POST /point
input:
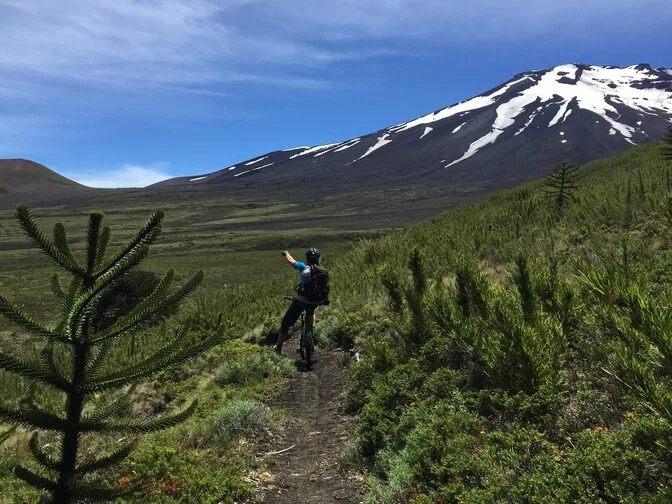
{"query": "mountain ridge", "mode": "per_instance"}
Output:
(507, 135)
(604, 110)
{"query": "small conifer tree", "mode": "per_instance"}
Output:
(75, 359)
(522, 278)
(412, 294)
(560, 185)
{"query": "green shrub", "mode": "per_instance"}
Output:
(378, 357)
(453, 456)
(235, 419)
(349, 329)
(392, 393)
(253, 367)
(165, 474)
(13, 489)
(596, 466)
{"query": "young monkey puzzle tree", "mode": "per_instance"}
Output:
(560, 185)
(75, 360)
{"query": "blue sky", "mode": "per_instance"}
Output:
(125, 93)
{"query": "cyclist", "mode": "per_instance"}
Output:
(301, 301)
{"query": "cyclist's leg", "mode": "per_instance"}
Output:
(291, 316)
(310, 319)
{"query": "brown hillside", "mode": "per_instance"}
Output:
(23, 176)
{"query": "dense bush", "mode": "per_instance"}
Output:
(530, 355)
(166, 473)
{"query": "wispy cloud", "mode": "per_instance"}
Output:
(130, 175)
(124, 43)
(194, 42)
(447, 19)
(71, 59)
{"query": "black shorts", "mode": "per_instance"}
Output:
(294, 312)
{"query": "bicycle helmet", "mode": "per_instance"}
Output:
(312, 255)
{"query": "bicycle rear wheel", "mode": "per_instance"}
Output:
(308, 349)
(302, 341)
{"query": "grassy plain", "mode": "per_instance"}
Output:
(234, 238)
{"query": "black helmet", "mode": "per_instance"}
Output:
(313, 255)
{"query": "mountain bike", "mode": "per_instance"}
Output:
(307, 341)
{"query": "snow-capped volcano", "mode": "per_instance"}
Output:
(508, 135)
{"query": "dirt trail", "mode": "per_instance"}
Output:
(310, 472)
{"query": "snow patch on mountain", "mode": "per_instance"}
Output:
(312, 150)
(427, 131)
(326, 151)
(256, 161)
(198, 178)
(506, 116)
(473, 104)
(529, 121)
(349, 144)
(562, 114)
(254, 169)
(382, 141)
(459, 127)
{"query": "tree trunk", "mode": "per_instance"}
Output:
(63, 493)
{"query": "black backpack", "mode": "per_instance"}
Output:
(317, 290)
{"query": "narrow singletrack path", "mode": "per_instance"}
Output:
(309, 471)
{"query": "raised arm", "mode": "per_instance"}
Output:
(289, 257)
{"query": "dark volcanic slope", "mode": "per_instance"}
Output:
(508, 135)
(23, 177)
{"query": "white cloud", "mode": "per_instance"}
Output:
(129, 175)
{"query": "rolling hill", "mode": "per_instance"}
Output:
(26, 177)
